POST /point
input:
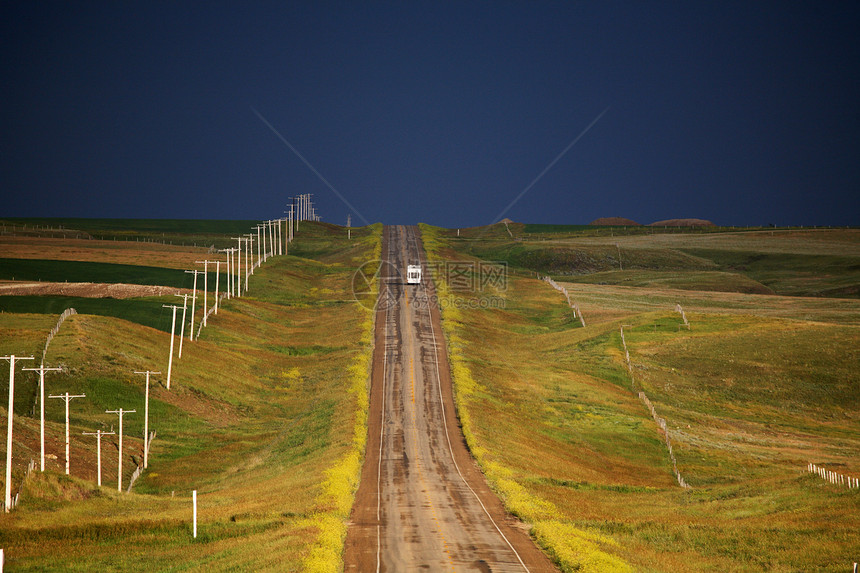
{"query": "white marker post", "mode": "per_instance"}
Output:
(172, 335)
(193, 302)
(98, 434)
(68, 398)
(11, 358)
(41, 370)
(146, 418)
(119, 470)
(194, 505)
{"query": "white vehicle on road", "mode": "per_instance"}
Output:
(413, 274)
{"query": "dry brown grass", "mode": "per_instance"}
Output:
(117, 252)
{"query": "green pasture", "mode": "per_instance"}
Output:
(95, 272)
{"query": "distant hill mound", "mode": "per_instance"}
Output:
(604, 221)
(682, 223)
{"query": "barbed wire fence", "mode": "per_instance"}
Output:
(680, 310)
(31, 467)
(834, 477)
(139, 469)
(661, 422)
(570, 303)
(66, 314)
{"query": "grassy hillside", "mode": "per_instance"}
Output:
(146, 311)
(792, 262)
(265, 418)
(760, 386)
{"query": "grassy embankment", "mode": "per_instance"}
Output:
(266, 418)
(750, 398)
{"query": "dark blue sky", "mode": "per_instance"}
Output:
(737, 112)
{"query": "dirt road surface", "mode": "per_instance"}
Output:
(422, 503)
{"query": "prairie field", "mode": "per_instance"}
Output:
(264, 418)
(799, 262)
(757, 387)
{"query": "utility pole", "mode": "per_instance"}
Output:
(68, 398)
(272, 236)
(182, 328)
(259, 246)
(249, 258)
(217, 282)
(229, 275)
(348, 227)
(193, 301)
(119, 470)
(205, 288)
(281, 222)
(226, 272)
(98, 434)
(264, 231)
(41, 370)
(238, 291)
(11, 358)
(264, 250)
(234, 264)
(172, 331)
(146, 419)
(290, 223)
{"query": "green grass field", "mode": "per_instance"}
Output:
(757, 388)
(146, 311)
(265, 418)
(94, 272)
